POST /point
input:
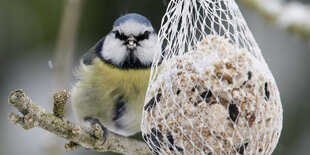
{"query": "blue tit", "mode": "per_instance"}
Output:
(114, 74)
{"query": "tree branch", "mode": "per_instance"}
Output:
(290, 15)
(35, 116)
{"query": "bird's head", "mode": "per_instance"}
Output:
(131, 43)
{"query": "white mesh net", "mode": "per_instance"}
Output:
(212, 93)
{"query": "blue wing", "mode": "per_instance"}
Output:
(94, 52)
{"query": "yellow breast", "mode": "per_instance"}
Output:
(132, 83)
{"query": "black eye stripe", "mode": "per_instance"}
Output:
(120, 36)
(143, 36)
(140, 37)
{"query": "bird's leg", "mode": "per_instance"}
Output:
(95, 124)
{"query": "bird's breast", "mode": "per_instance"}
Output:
(130, 82)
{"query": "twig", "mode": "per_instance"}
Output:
(63, 57)
(35, 116)
(60, 99)
(71, 146)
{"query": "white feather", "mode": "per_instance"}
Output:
(132, 27)
(145, 53)
(113, 49)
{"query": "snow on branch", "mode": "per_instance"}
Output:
(36, 116)
(293, 16)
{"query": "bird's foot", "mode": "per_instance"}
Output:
(98, 129)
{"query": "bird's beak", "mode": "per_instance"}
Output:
(131, 41)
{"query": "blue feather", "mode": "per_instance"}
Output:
(132, 16)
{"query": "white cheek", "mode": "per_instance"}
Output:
(147, 50)
(114, 50)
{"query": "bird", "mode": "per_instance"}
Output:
(113, 77)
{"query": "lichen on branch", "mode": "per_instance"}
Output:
(36, 116)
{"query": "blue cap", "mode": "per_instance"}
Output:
(132, 16)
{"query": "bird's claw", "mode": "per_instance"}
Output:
(98, 129)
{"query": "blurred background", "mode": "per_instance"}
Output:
(35, 45)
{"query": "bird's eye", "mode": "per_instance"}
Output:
(143, 36)
(120, 36)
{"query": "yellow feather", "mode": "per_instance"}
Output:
(101, 85)
(127, 80)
